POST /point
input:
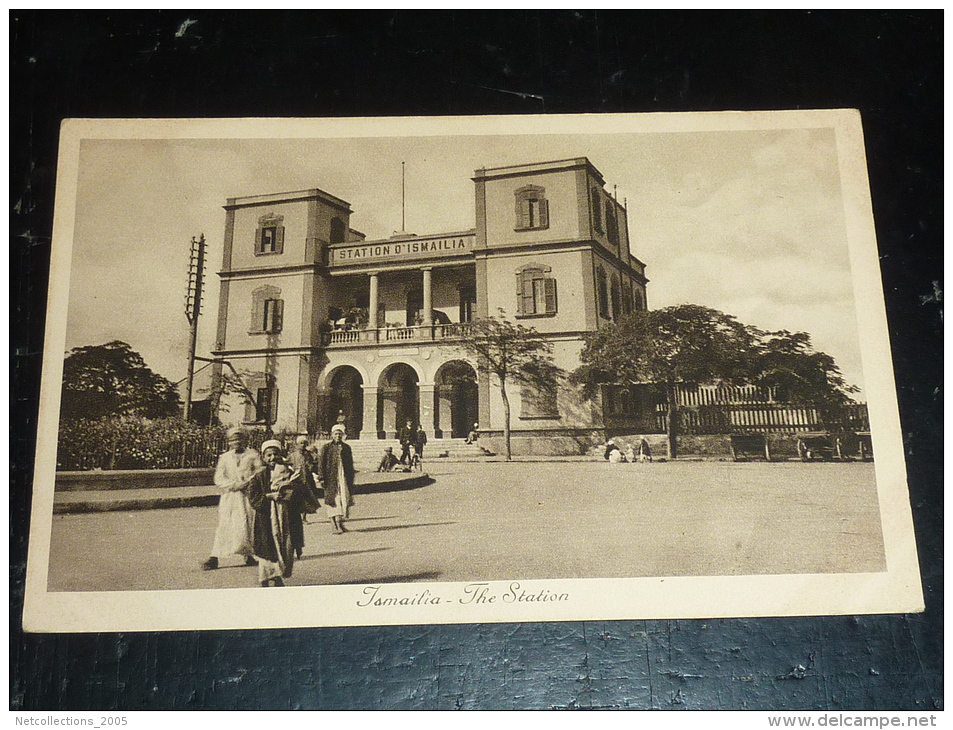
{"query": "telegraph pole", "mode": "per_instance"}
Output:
(193, 308)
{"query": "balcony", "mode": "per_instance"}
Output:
(396, 335)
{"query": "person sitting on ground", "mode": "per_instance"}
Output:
(645, 453)
(388, 460)
(611, 448)
(473, 435)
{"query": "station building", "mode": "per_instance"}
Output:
(324, 325)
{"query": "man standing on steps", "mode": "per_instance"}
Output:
(235, 471)
(420, 440)
(336, 473)
(407, 436)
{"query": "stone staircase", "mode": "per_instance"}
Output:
(368, 452)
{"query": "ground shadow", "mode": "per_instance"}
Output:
(403, 527)
(409, 578)
(338, 553)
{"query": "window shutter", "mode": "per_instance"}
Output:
(258, 235)
(279, 239)
(543, 213)
(278, 315)
(550, 295)
(273, 405)
(257, 313)
(527, 305)
(522, 212)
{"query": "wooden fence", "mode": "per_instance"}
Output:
(764, 418)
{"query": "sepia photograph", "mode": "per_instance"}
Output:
(459, 370)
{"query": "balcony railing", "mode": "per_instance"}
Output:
(342, 338)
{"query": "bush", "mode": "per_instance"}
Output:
(134, 442)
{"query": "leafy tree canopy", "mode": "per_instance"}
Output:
(690, 344)
(113, 379)
(787, 362)
(513, 354)
(683, 344)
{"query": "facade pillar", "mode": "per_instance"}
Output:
(427, 410)
(444, 414)
(372, 303)
(369, 426)
(428, 299)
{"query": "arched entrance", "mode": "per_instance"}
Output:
(457, 399)
(347, 399)
(398, 399)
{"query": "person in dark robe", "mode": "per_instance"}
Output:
(335, 472)
(305, 500)
(271, 493)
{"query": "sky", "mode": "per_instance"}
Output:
(747, 222)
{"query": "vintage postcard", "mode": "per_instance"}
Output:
(327, 372)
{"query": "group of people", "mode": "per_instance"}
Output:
(639, 453)
(412, 442)
(265, 500)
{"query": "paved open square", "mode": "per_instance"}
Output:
(528, 520)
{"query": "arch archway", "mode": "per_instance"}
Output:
(346, 399)
(398, 399)
(456, 393)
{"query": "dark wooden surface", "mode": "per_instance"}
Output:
(135, 64)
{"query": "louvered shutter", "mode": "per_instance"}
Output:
(543, 213)
(527, 305)
(522, 211)
(279, 239)
(258, 239)
(550, 295)
(278, 315)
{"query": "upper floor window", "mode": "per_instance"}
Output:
(597, 209)
(267, 310)
(532, 208)
(602, 290)
(627, 300)
(612, 223)
(615, 298)
(639, 301)
(270, 235)
(535, 291)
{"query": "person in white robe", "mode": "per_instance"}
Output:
(233, 474)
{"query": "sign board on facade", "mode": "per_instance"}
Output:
(413, 249)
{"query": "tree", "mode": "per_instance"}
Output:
(113, 379)
(683, 344)
(513, 354)
(787, 362)
(691, 344)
